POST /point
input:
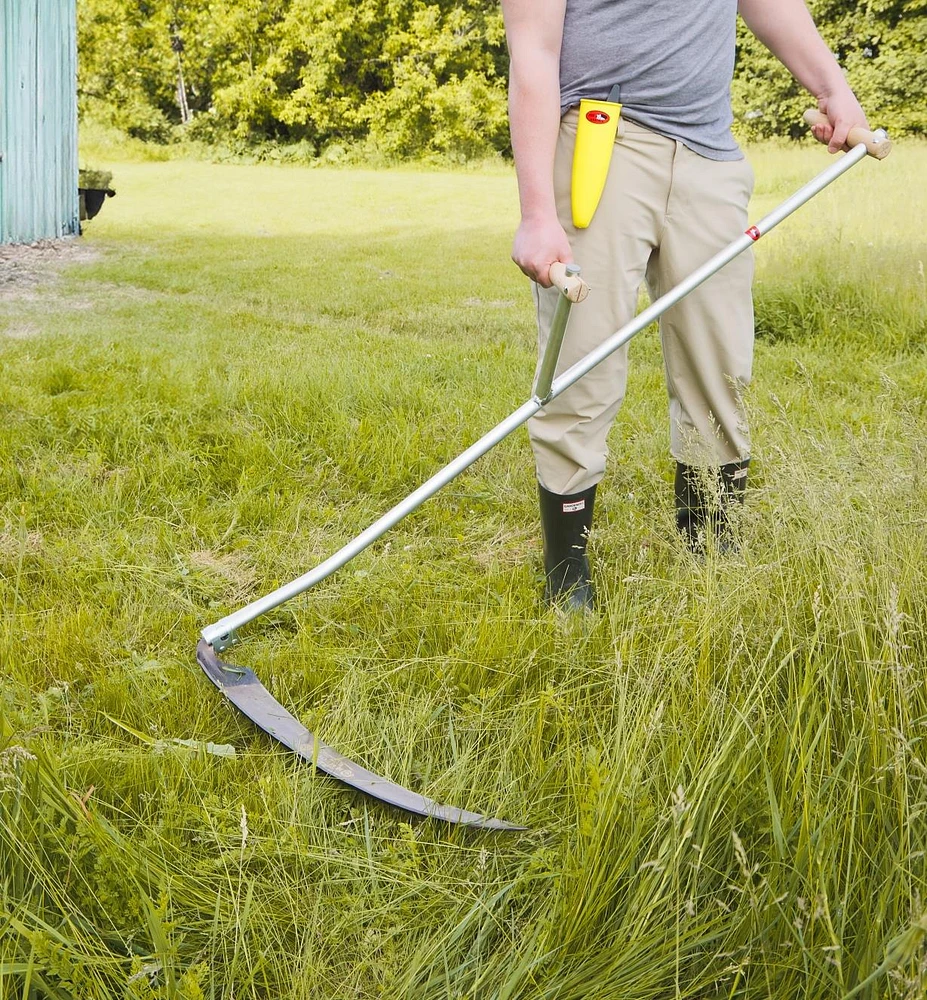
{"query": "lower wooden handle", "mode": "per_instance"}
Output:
(878, 147)
(572, 285)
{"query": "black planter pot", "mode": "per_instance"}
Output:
(91, 201)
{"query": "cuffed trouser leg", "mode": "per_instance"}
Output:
(664, 211)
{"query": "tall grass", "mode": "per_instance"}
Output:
(724, 772)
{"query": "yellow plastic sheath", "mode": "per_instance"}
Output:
(595, 139)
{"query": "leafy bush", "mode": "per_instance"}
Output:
(415, 77)
(882, 47)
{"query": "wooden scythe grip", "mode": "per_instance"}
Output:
(572, 286)
(879, 148)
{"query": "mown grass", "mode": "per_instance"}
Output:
(724, 773)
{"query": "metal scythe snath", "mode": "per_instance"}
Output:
(242, 686)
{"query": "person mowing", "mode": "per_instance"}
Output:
(675, 192)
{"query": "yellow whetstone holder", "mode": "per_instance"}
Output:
(595, 140)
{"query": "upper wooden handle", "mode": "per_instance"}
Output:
(572, 285)
(878, 147)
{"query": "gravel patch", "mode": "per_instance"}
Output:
(26, 266)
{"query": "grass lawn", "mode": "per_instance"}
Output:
(724, 773)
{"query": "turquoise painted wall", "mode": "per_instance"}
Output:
(38, 120)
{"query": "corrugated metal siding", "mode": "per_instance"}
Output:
(38, 120)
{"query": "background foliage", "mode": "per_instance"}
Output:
(882, 46)
(407, 76)
(412, 78)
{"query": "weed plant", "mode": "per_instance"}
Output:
(724, 771)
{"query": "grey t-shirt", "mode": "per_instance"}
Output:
(674, 60)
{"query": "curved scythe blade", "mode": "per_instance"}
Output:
(242, 687)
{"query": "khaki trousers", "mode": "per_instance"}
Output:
(664, 212)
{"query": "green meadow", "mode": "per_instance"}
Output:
(723, 772)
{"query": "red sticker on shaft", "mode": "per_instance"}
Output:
(597, 117)
(754, 233)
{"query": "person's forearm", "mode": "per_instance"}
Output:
(534, 31)
(534, 111)
(786, 28)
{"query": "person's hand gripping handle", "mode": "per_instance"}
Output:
(877, 143)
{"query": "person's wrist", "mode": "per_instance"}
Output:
(540, 219)
(539, 215)
(835, 86)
